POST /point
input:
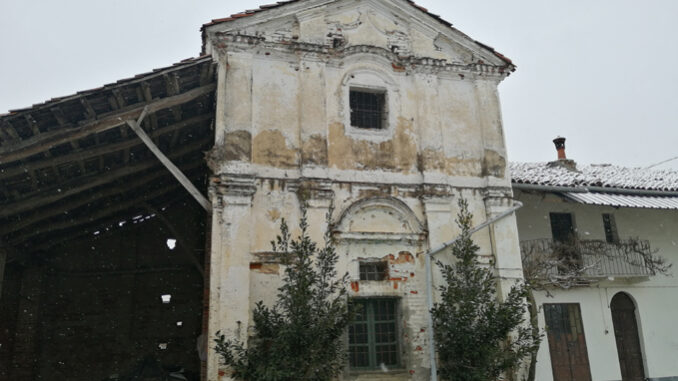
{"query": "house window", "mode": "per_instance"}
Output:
(610, 226)
(562, 227)
(373, 270)
(372, 335)
(367, 108)
(566, 248)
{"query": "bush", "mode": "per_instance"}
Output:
(300, 336)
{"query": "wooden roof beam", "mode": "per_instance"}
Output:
(90, 218)
(120, 102)
(60, 208)
(185, 182)
(83, 184)
(58, 114)
(103, 150)
(86, 230)
(36, 144)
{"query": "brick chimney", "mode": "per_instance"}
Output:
(560, 147)
(562, 161)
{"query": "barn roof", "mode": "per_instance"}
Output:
(71, 164)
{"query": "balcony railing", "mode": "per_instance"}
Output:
(583, 261)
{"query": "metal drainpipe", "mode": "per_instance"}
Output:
(429, 281)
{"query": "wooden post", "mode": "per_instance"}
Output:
(135, 125)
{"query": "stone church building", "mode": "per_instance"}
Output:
(377, 112)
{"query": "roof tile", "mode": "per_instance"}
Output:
(598, 175)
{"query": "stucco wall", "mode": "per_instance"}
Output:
(655, 296)
(283, 130)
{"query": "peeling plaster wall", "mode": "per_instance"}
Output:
(654, 296)
(283, 133)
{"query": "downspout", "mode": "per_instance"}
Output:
(429, 280)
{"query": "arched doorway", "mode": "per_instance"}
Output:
(626, 336)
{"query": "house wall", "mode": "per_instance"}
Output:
(654, 296)
(283, 133)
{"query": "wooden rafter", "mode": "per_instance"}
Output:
(82, 184)
(80, 231)
(62, 207)
(103, 150)
(63, 123)
(185, 182)
(92, 217)
(89, 113)
(36, 144)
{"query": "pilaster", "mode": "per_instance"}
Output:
(229, 271)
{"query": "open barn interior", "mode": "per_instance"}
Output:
(101, 247)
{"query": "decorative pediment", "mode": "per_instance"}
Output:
(394, 25)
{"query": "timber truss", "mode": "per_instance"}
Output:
(73, 164)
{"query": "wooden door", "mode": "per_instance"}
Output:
(567, 344)
(626, 335)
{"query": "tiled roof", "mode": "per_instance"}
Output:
(159, 71)
(596, 175)
(262, 8)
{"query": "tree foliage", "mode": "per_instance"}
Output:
(478, 337)
(300, 336)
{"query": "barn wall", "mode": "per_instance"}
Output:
(93, 308)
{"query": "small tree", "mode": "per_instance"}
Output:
(478, 337)
(300, 336)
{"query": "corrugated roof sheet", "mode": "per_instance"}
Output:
(601, 175)
(623, 200)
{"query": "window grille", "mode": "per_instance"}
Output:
(373, 270)
(367, 109)
(372, 336)
(562, 227)
(610, 226)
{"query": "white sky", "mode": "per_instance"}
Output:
(599, 72)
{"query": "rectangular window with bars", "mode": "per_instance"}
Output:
(372, 335)
(610, 226)
(367, 108)
(373, 270)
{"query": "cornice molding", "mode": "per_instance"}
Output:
(228, 42)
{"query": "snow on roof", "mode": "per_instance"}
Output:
(598, 175)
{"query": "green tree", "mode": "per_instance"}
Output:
(300, 336)
(478, 337)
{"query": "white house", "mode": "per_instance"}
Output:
(594, 237)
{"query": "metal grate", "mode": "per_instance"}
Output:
(610, 226)
(372, 336)
(373, 270)
(367, 109)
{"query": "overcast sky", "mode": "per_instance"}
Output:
(599, 72)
